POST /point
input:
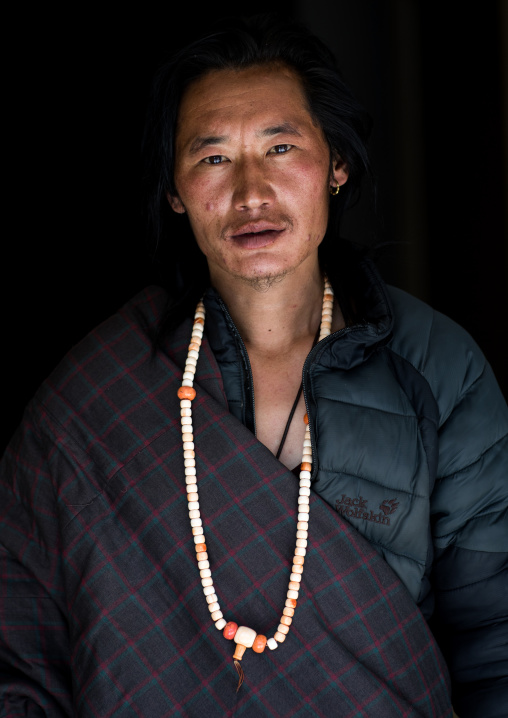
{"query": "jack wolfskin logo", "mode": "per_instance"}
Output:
(357, 509)
(389, 507)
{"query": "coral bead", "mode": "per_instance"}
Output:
(306, 419)
(186, 392)
(230, 630)
(306, 466)
(259, 644)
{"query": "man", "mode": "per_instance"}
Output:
(160, 432)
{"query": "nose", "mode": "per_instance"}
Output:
(252, 189)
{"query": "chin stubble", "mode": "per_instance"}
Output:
(263, 284)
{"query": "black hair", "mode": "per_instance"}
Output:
(238, 44)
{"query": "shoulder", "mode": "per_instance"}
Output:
(110, 355)
(438, 348)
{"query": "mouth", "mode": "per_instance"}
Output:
(255, 236)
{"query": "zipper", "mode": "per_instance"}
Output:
(305, 372)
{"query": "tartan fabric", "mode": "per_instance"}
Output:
(101, 606)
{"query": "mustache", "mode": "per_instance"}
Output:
(279, 221)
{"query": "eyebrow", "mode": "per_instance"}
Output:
(199, 143)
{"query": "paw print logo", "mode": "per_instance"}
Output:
(389, 506)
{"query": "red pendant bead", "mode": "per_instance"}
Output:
(230, 630)
(186, 392)
(259, 644)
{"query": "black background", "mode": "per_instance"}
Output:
(75, 97)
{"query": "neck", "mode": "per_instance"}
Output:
(272, 320)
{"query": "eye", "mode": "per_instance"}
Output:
(279, 149)
(215, 160)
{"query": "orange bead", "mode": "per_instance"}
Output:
(328, 297)
(306, 466)
(306, 419)
(199, 321)
(186, 392)
(291, 602)
(201, 547)
(229, 630)
(259, 644)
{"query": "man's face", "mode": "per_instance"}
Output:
(252, 171)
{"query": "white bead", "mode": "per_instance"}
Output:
(190, 479)
(190, 471)
(185, 403)
(187, 382)
(197, 531)
(303, 525)
(193, 505)
(185, 412)
(296, 577)
(212, 598)
(216, 615)
(193, 353)
(212, 607)
(292, 594)
(204, 564)
(188, 454)
(196, 522)
(199, 538)
(209, 590)
(304, 508)
(305, 474)
(205, 573)
(220, 624)
(192, 361)
(206, 582)
(194, 514)
(302, 534)
(306, 442)
(304, 490)
(302, 517)
(192, 488)
(188, 445)
(272, 644)
(192, 497)
(245, 636)
(185, 420)
(303, 500)
(188, 375)
(301, 542)
(299, 551)
(189, 462)
(307, 451)
(305, 483)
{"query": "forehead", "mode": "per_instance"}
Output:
(249, 98)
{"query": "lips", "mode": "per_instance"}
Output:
(256, 234)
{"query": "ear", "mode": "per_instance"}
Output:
(340, 171)
(175, 203)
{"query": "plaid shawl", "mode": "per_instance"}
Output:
(102, 612)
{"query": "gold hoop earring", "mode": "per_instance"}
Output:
(334, 190)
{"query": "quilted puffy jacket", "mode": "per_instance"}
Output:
(410, 439)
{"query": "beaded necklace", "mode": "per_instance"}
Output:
(243, 636)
